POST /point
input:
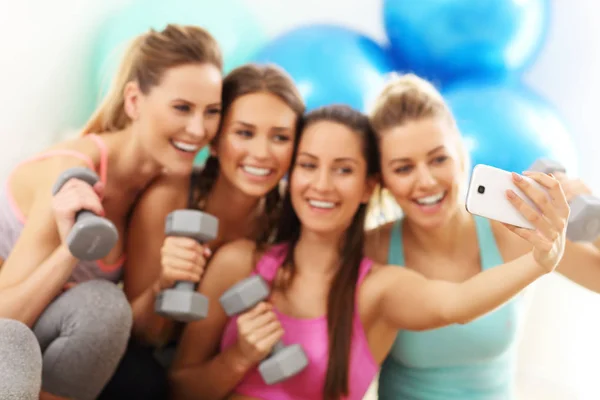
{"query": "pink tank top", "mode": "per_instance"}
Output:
(12, 219)
(312, 335)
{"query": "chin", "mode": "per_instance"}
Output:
(255, 190)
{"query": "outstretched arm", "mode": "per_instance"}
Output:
(410, 301)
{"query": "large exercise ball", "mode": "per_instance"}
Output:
(229, 21)
(330, 64)
(444, 40)
(509, 126)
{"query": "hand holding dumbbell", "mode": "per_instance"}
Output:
(584, 219)
(182, 303)
(284, 361)
(91, 237)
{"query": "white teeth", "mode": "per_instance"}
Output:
(321, 204)
(190, 148)
(431, 200)
(256, 171)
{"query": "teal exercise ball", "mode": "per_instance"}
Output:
(231, 23)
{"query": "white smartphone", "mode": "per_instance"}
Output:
(486, 196)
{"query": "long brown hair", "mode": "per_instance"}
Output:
(146, 59)
(340, 303)
(244, 80)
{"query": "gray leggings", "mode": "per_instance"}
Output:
(20, 362)
(83, 335)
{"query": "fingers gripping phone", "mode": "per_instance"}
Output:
(486, 196)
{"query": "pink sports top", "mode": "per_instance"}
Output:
(311, 333)
(12, 219)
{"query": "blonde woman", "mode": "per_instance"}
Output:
(424, 166)
(163, 107)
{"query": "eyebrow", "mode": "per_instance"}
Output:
(191, 103)
(340, 159)
(406, 159)
(275, 128)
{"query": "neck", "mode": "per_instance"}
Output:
(129, 166)
(228, 203)
(445, 238)
(317, 254)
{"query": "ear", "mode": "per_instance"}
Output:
(370, 188)
(131, 97)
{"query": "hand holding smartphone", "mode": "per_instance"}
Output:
(532, 205)
(487, 198)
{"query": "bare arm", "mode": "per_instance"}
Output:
(39, 265)
(145, 237)
(580, 263)
(410, 301)
(199, 369)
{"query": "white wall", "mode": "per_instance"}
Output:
(45, 48)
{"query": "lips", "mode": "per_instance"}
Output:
(257, 171)
(430, 200)
(321, 204)
(186, 147)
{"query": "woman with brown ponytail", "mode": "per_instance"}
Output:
(239, 184)
(165, 100)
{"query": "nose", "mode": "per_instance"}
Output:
(322, 180)
(425, 178)
(195, 127)
(259, 147)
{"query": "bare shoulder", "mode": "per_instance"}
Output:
(231, 263)
(165, 193)
(381, 274)
(377, 242)
(147, 220)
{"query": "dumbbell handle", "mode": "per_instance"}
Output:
(277, 347)
(185, 286)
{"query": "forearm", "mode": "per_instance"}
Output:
(25, 301)
(490, 289)
(147, 324)
(214, 380)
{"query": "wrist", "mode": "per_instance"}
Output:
(540, 267)
(156, 287)
(64, 253)
(237, 361)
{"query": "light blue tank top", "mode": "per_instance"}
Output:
(474, 361)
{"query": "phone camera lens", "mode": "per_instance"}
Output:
(481, 189)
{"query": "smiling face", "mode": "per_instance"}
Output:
(179, 116)
(256, 142)
(329, 179)
(422, 168)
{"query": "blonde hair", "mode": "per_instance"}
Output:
(146, 59)
(409, 98)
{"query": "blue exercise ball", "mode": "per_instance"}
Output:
(509, 126)
(229, 21)
(444, 40)
(330, 64)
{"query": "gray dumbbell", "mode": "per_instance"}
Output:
(584, 219)
(284, 361)
(182, 302)
(92, 237)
